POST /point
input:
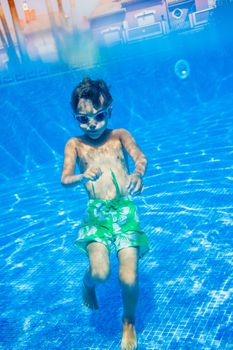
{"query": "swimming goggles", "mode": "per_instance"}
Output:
(99, 116)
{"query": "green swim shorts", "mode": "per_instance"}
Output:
(112, 221)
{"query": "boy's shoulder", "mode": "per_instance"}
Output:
(122, 132)
(74, 144)
(73, 141)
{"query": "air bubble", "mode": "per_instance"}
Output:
(182, 69)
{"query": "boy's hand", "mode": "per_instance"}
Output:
(91, 174)
(135, 185)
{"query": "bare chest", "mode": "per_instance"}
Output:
(104, 156)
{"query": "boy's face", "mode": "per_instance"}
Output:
(92, 122)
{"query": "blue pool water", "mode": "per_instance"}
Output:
(185, 127)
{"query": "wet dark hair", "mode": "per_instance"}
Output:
(92, 90)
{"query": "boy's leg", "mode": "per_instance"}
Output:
(128, 275)
(97, 272)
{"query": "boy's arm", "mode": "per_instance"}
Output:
(135, 184)
(70, 157)
(134, 151)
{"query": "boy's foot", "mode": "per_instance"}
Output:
(129, 338)
(89, 297)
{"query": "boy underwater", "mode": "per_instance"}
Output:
(101, 155)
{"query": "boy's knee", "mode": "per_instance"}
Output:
(100, 274)
(128, 278)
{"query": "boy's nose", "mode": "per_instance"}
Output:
(92, 126)
(92, 123)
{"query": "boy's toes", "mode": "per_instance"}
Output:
(128, 346)
(129, 337)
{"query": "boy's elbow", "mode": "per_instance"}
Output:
(64, 180)
(145, 161)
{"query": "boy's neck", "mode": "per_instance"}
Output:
(102, 138)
